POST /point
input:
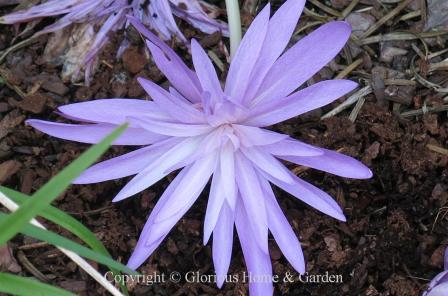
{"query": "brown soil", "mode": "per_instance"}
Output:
(391, 244)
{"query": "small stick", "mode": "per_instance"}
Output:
(400, 36)
(349, 69)
(31, 268)
(424, 110)
(33, 246)
(357, 108)
(437, 149)
(348, 9)
(12, 206)
(385, 18)
(326, 8)
(350, 101)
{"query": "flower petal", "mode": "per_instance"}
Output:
(227, 167)
(318, 95)
(179, 109)
(280, 29)
(169, 128)
(222, 243)
(311, 195)
(216, 199)
(181, 77)
(254, 136)
(112, 111)
(153, 233)
(246, 56)
(94, 133)
(292, 147)
(251, 194)
(143, 250)
(333, 163)
(206, 72)
(158, 169)
(125, 165)
(258, 262)
(281, 230)
(267, 163)
(303, 60)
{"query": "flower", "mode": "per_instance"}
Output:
(110, 15)
(211, 132)
(439, 285)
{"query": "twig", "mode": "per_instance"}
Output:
(424, 110)
(16, 46)
(348, 9)
(349, 69)
(357, 108)
(325, 8)
(437, 149)
(12, 206)
(350, 101)
(31, 268)
(385, 18)
(400, 36)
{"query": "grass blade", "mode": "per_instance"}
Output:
(60, 241)
(12, 224)
(66, 221)
(16, 285)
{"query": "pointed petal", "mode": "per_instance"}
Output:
(333, 163)
(267, 163)
(222, 243)
(182, 78)
(303, 60)
(191, 186)
(270, 112)
(280, 29)
(94, 133)
(178, 109)
(216, 199)
(158, 169)
(439, 290)
(258, 262)
(153, 233)
(251, 194)
(182, 198)
(169, 128)
(125, 165)
(205, 71)
(227, 166)
(292, 147)
(281, 230)
(246, 56)
(143, 250)
(310, 195)
(254, 136)
(112, 111)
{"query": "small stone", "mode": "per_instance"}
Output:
(8, 169)
(133, 61)
(360, 22)
(34, 103)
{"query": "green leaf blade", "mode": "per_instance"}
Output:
(51, 190)
(16, 285)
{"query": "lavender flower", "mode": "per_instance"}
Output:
(110, 15)
(439, 285)
(221, 134)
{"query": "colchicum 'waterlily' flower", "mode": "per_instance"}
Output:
(210, 132)
(439, 285)
(110, 15)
